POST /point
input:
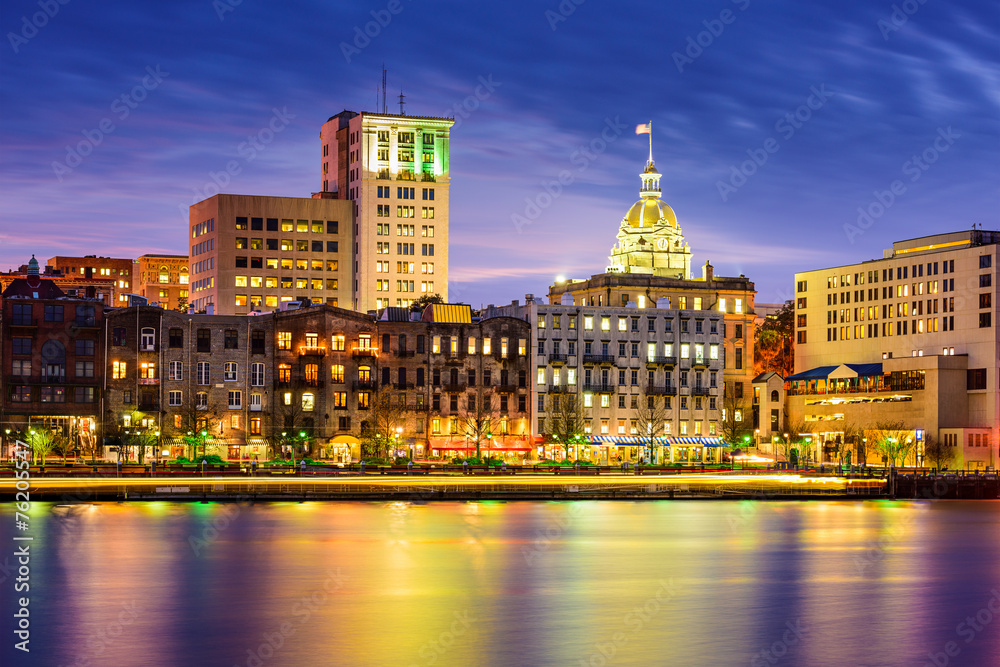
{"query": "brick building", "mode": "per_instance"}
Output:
(50, 347)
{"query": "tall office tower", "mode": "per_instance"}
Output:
(250, 253)
(395, 170)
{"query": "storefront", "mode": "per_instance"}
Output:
(695, 450)
(341, 449)
(615, 450)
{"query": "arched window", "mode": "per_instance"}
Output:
(774, 395)
(184, 276)
(164, 274)
(364, 373)
(147, 341)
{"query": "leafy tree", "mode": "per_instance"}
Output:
(40, 440)
(797, 431)
(774, 346)
(418, 304)
(893, 441)
(651, 416)
(568, 419)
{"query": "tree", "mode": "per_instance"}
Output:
(797, 431)
(40, 440)
(381, 429)
(736, 421)
(774, 347)
(193, 428)
(568, 420)
(481, 414)
(853, 441)
(291, 428)
(937, 452)
(418, 304)
(651, 416)
(63, 444)
(892, 441)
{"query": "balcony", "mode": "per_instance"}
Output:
(506, 388)
(700, 363)
(454, 360)
(561, 388)
(454, 387)
(149, 406)
(598, 359)
(556, 358)
(701, 391)
(662, 361)
(312, 383)
(599, 388)
(53, 379)
(364, 385)
(418, 408)
(364, 352)
(661, 390)
(151, 381)
(312, 350)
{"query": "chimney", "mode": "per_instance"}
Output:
(706, 272)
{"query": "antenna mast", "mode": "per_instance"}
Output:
(401, 102)
(384, 110)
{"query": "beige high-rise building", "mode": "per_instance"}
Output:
(250, 253)
(909, 339)
(394, 168)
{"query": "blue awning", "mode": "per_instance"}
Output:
(697, 441)
(823, 372)
(624, 440)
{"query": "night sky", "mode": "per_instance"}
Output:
(162, 95)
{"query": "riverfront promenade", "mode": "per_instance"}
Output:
(367, 486)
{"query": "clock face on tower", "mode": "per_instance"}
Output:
(662, 244)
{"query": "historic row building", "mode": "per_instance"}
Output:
(51, 347)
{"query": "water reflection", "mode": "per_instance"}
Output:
(591, 583)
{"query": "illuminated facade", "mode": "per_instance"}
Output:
(250, 254)
(163, 280)
(650, 241)
(395, 170)
(910, 337)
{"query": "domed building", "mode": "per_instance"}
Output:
(649, 239)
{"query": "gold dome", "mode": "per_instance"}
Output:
(648, 212)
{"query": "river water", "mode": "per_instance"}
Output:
(522, 583)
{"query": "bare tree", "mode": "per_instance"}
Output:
(385, 416)
(194, 429)
(651, 416)
(937, 452)
(852, 442)
(795, 434)
(568, 420)
(736, 422)
(893, 441)
(481, 415)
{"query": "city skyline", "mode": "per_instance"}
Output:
(872, 90)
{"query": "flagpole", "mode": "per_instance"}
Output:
(650, 142)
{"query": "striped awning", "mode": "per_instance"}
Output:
(624, 440)
(696, 441)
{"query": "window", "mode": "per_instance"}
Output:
(118, 370)
(53, 313)
(985, 261)
(339, 340)
(257, 375)
(174, 399)
(21, 315)
(308, 401)
(84, 394)
(175, 370)
(204, 340)
(21, 367)
(985, 320)
(235, 400)
(203, 373)
(22, 345)
(84, 347)
(285, 340)
(976, 378)
(147, 370)
(231, 340)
